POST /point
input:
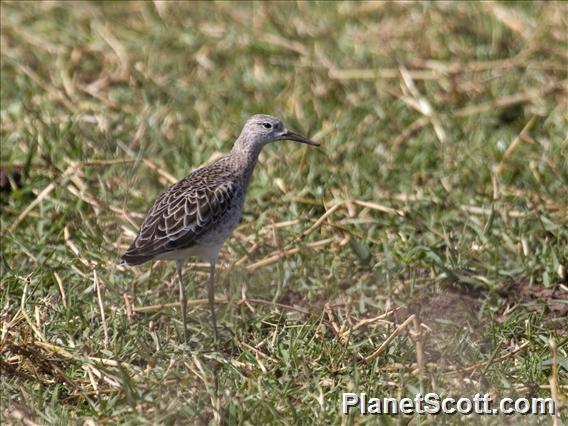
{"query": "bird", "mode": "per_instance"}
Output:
(194, 217)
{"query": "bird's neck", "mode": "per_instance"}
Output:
(245, 155)
(247, 146)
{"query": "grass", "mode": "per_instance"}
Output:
(443, 173)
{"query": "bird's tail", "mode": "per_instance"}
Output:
(129, 259)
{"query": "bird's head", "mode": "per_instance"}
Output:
(261, 129)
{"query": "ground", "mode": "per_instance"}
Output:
(422, 248)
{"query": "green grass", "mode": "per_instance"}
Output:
(467, 229)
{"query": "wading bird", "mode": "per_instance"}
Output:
(196, 215)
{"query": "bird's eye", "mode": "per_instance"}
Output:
(267, 125)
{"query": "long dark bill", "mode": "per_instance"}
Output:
(291, 136)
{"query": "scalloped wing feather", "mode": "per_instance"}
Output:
(184, 213)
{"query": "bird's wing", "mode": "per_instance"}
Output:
(182, 214)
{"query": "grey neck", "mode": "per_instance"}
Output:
(245, 153)
(247, 146)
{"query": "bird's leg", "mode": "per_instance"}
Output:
(182, 300)
(211, 295)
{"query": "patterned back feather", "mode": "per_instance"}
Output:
(186, 211)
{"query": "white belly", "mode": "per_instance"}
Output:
(205, 252)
